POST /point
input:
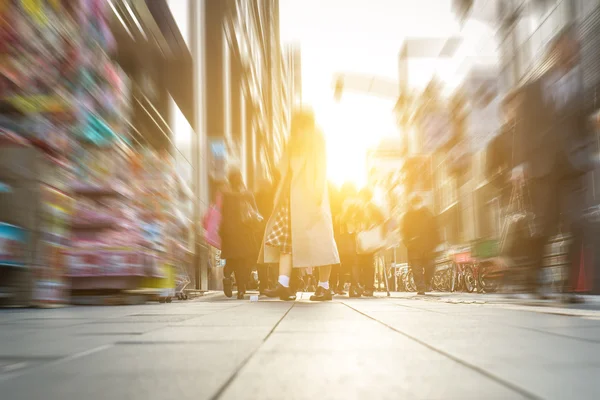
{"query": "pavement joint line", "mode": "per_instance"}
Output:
(475, 368)
(72, 357)
(419, 308)
(110, 334)
(562, 335)
(163, 315)
(522, 327)
(245, 362)
(565, 312)
(171, 342)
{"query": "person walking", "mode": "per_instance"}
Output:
(552, 151)
(366, 216)
(267, 273)
(336, 279)
(299, 233)
(346, 229)
(238, 245)
(421, 237)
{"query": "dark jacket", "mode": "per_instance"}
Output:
(264, 202)
(420, 233)
(551, 129)
(237, 239)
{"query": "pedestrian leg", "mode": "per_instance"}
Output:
(323, 292)
(367, 265)
(242, 276)
(227, 283)
(273, 275)
(263, 278)
(333, 277)
(428, 271)
(356, 290)
(283, 290)
(416, 266)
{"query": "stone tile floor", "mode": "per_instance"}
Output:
(434, 347)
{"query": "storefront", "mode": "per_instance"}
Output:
(103, 206)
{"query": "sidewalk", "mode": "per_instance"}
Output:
(403, 347)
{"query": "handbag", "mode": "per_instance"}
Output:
(212, 223)
(371, 240)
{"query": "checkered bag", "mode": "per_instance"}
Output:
(280, 235)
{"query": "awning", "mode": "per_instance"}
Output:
(147, 33)
(180, 64)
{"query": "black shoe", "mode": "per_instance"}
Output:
(227, 287)
(369, 293)
(340, 291)
(421, 292)
(240, 295)
(282, 292)
(540, 296)
(355, 291)
(571, 298)
(321, 294)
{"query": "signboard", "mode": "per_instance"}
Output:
(218, 159)
(110, 262)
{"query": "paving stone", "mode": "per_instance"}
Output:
(144, 372)
(206, 333)
(383, 374)
(399, 347)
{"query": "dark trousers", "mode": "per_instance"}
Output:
(241, 268)
(336, 279)
(422, 269)
(556, 202)
(263, 277)
(363, 271)
(268, 274)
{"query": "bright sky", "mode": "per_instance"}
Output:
(363, 36)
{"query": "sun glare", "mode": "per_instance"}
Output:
(351, 128)
(359, 122)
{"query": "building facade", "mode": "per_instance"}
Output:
(246, 100)
(243, 85)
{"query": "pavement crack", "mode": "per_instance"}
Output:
(472, 367)
(235, 374)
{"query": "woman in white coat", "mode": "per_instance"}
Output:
(299, 233)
